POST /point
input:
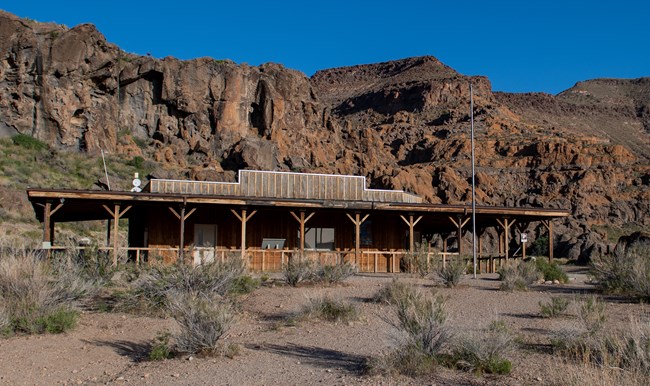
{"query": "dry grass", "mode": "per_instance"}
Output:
(330, 309)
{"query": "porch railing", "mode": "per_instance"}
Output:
(270, 260)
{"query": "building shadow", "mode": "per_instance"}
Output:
(317, 356)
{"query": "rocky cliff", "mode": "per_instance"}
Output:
(403, 124)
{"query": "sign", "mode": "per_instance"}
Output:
(524, 238)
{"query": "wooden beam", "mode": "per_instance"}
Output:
(116, 239)
(357, 221)
(302, 220)
(243, 218)
(459, 222)
(549, 227)
(411, 224)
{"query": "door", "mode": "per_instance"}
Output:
(205, 241)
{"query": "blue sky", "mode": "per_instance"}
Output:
(521, 46)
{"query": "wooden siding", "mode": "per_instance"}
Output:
(387, 232)
(284, 185)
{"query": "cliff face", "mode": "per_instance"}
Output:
(404, 124)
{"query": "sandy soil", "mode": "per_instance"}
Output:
(112, 348)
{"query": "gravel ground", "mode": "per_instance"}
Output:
(112, 348)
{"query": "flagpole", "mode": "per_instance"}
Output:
(471, 109)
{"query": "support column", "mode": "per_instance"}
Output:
(243, 219)
(549, 227)
(459, 223)
(506, 224)
(117, 214)
(302, 220)
(411, 224)
(182, 216)
(357, 221)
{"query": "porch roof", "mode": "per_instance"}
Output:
(81, 205)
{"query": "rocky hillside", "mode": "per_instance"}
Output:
(403, 124)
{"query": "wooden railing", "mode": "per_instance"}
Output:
(270, 260)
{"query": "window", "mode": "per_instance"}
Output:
(319, 238)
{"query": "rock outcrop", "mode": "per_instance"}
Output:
(403, 124)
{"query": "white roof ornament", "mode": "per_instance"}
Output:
(136, 184)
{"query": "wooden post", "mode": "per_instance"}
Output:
(411, 224)
(357, 221)
(47, 237)
(459, 230)
(182, 217)
(302, 220)
(243, 219)
(117, 214)
(549, 227)
(506, 224)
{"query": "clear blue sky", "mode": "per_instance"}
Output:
(520, 45)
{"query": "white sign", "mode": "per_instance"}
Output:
(524, 238)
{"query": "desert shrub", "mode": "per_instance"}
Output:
(297, 270)
(518, 275)
(244, 284)
(485, 351)
(203, 320)
(150, 292)
(556, 307)
(334, 273)
(592, 314)
(330, 309)
(161, 349)
(39, 297)
(28, 142)
(406, 360)
(389, 293)
(625, 272)
(551, 271)
(417, 261)
(421, 322)
(423, 319)
(627, 347)
(452, 273)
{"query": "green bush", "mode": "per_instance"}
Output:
(59, 320)
(556, 307)
(551, 271)
(28, 142)
(160, 348)
(244, 284)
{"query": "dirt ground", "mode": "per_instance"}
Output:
(108, 348)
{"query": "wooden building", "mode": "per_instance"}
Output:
(268, 216)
